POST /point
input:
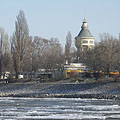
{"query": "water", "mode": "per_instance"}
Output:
(58, 108)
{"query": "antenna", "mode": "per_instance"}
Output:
(84, 13)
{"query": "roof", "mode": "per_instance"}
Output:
(84, 33)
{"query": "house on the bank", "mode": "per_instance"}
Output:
(75, 69)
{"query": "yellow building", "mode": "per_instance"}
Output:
(74, 69)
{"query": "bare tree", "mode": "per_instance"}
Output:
(7, 66)
(53, 55)
(68, 46)
(4, 51)
(108, 47)
(39, 45)
(105, 55)
(46, 54)
(19, 42)
(28, 57)
(73, 54)
(79, 50)
(1, 50)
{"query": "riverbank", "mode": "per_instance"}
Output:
(60, 89)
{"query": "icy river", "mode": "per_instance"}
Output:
(58, 109)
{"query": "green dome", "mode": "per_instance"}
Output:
(84, 33)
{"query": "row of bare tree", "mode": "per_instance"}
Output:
(24, 53)
(105, 56)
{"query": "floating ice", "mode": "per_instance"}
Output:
(58, 108)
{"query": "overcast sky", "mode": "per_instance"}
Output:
(54, 18)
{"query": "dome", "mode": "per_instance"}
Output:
(84, 31)
(84, 40)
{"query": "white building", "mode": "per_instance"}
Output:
(74, 69)
(75, 66)
(84, 40)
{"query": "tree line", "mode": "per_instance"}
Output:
(106, 54)
(24, 53)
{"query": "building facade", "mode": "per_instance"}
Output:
(84, 40)
(75, 70)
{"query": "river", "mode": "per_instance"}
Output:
(58, 108)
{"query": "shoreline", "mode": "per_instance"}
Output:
(98, 90)
(82, 96)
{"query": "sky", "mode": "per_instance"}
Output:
(54, 18)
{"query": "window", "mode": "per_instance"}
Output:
(91, 42)
(84, 41)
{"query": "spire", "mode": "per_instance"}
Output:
(84, 32)
(84, 25)
(84, 21)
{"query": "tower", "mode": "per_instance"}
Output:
(84, 40)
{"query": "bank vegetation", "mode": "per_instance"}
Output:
(22, 52)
